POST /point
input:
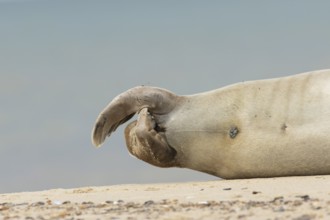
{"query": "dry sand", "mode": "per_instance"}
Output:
(300, 198)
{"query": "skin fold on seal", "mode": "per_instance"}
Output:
(264, 128)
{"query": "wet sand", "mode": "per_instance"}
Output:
(299, 198)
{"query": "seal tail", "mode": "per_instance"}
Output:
(124, 106)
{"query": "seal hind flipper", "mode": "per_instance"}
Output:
(147, 144)
(124, 106)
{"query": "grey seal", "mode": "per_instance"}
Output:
(264, 128)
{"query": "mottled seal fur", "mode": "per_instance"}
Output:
(263, 128)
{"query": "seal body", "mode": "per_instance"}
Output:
(264, 128)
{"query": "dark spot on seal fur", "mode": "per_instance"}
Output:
(233, 132)
(226, 188)
(284, 127)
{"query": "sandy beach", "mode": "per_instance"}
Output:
(300, 198)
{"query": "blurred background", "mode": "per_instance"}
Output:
(62, 62)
